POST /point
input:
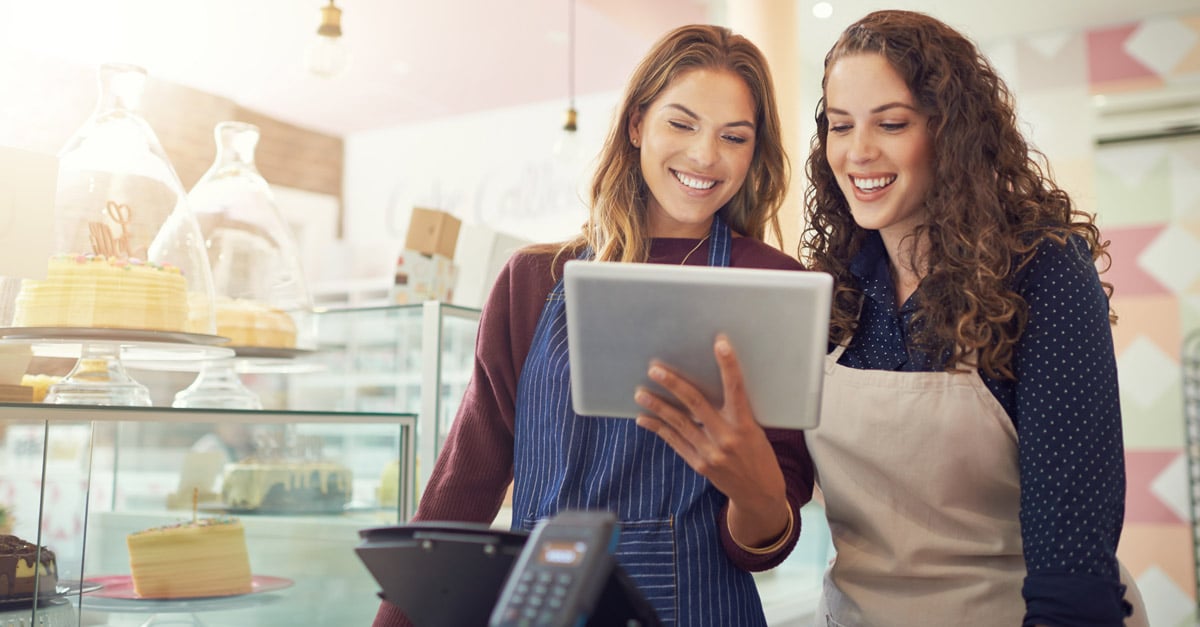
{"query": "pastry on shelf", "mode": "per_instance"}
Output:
(202, 558)
(249, 323)
(26, 568)
(288, 479)
(286, 486)
(91, 290)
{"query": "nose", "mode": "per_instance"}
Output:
(703, 149)
(862, 147)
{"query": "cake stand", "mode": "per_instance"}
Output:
(218, 386)
(99, 376)
(53, 610)
(51, 613)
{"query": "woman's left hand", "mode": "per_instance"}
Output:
(724, 444)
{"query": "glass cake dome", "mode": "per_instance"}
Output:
(122, 219)
(129, 267)
(261, 296)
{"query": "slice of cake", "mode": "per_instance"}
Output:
(205, 558)
(23, 567)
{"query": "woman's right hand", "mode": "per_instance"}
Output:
(724, 444)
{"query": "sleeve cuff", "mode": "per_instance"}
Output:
(777, 544)
(1073, 600)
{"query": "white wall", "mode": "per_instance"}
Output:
(495, 169)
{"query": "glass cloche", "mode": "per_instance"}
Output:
(128, 252)
(262, 299)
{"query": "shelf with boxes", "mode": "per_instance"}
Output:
(79, 480)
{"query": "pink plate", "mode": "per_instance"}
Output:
(121, 587)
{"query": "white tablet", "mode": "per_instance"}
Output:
(620, 316)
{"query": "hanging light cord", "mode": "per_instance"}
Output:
(571, 51)
(570, 123)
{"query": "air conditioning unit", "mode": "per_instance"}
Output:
(1168, 111)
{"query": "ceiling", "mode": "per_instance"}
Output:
(414, 61)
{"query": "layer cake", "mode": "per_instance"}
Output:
(204, 558)
(96, 291)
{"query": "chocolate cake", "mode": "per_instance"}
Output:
(18, 576)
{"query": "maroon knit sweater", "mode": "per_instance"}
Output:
(475, 465)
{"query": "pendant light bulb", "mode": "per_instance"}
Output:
(326, 55)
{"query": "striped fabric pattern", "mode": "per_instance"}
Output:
(669, 542)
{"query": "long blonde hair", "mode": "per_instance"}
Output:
(616, 228)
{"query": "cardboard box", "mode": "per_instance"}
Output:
(432, 232)
(421, 277)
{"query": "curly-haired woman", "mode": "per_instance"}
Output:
(970, 451)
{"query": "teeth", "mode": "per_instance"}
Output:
(694, 183)
(868, 185)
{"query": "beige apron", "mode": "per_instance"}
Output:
(922, 492)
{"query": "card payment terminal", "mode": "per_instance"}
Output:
(564, 574)
(561, 572)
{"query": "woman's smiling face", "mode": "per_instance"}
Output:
(879, 145)
(696, 142)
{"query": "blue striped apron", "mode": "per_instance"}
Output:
(669, 541)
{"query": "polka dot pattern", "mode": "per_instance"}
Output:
(1064, 404)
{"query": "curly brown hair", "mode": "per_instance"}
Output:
(616, 228)
(993, 204)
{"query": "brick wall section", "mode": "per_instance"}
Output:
(58, 97)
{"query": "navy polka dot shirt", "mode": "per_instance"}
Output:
(1065, 406)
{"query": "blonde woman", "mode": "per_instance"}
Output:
(693, 172)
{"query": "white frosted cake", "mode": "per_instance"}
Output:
(286, 486)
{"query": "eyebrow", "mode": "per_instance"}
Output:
(879, 109)
(693, 115)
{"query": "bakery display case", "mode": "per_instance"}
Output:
(411, 358)
(351, 428)
(80, 482)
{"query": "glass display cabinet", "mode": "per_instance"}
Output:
(376, 396)
(403, 358)
(79, 480)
